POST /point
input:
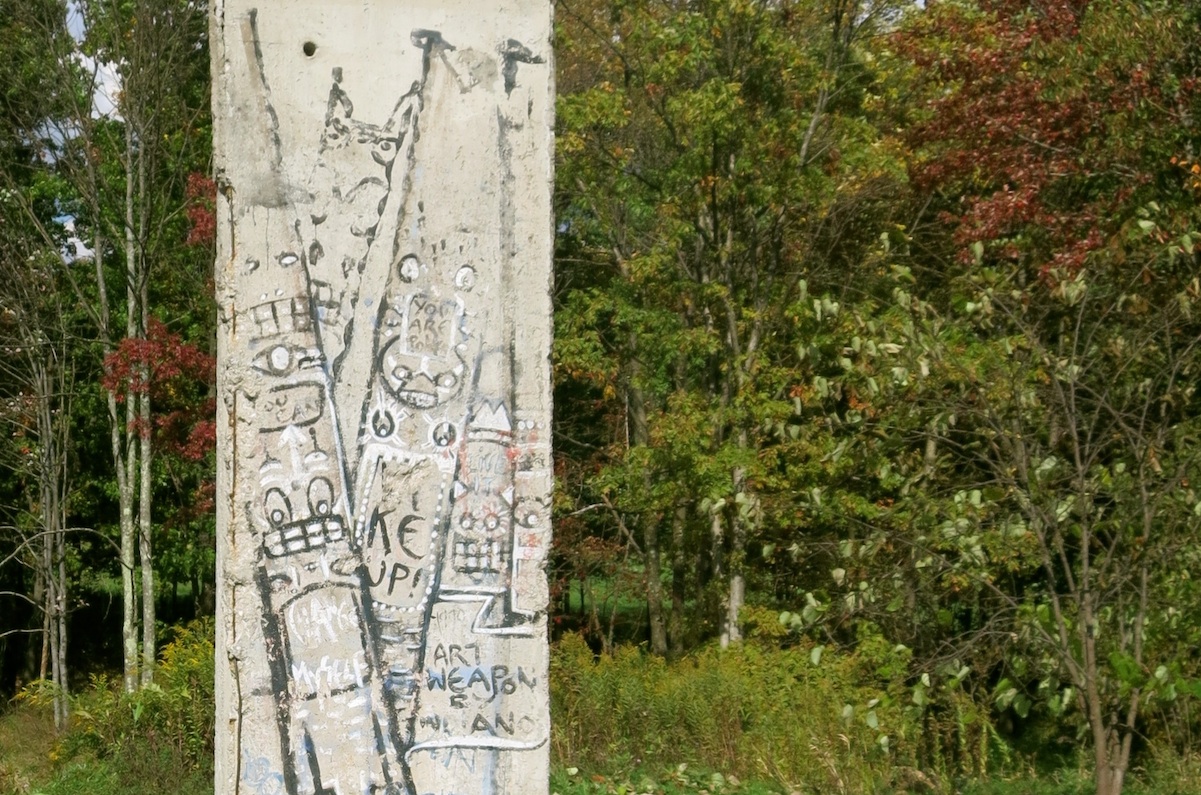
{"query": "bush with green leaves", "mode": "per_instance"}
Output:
(158, 738)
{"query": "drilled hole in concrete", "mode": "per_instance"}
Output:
(309, 48)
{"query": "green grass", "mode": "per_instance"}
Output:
(36, 761)
(157, 740)
(756, 713)
(33, 761)
(1067, 782)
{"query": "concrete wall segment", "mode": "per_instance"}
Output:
(384, 252)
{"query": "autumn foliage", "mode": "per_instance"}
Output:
(179, 378)
(1045, 124)
(201, 206)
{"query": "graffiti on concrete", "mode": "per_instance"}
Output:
(391, 497)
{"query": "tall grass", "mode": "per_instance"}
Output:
(791, 716)
(745, 721)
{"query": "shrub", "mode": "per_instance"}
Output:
(157, 739)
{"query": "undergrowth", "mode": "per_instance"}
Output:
(784, 716)
(755, 720)
(158, 739)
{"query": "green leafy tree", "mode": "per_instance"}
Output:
(122, 173)
(1053, 354)
(713, 157)
(37, 349)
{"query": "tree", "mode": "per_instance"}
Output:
(36, 343)
(155, 46)
(713, 159)
(126, 175)
(36, 358)
(1058, 341)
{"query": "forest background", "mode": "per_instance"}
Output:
(876, 362)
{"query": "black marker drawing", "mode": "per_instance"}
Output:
(401, 504)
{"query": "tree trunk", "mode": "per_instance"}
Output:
(1115, 778)
(736, 597)
(58, 633)
(717, 543)
(1109, 772)
(734, 602)
(65, 681)
(129, 641)
(124, 451)
(36, 668)
(52, 480)
(146, 483)
(679, 580)
(129, 638)
(654, 586)
(129, 631)
(639, 436)
(145, 548)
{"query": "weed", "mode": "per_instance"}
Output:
(757, 713)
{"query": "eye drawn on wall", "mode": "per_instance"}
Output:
(394, 484)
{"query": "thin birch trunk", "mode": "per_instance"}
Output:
(64, 678)
(737, 561)
(39, 598)
(145, 548)
(717, 542)
(145, 541)
(124, 452)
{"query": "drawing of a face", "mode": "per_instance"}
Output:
(369, 140)
(343, 132)
(419, 358)
(302, 520)
(353, 172)
(355, 159)
(481, 542)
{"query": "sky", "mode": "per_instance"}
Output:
(108, 84)
(104, 103)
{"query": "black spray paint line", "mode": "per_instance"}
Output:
(397, 297)
(250, 37)
(289, 324)
(513, 53)
(402, 707)
(499, 615)
(380, 260)
(274, 194)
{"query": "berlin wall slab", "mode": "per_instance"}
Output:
(384, 466)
